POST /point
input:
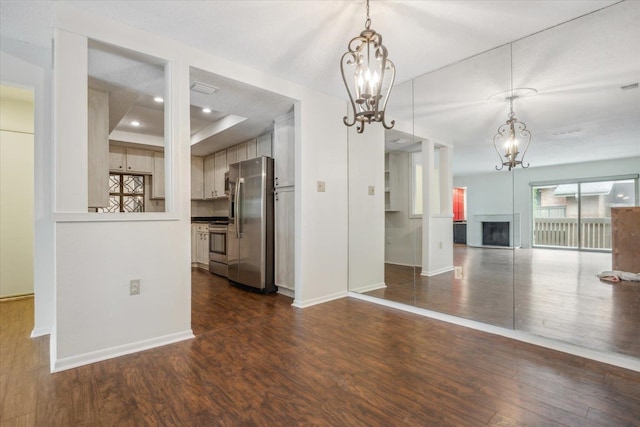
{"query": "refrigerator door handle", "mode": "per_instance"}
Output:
(237, 207)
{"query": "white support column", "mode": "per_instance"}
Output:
(437, 223)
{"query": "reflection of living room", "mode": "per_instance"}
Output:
(548, 228)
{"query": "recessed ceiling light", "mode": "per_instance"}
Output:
(158, 99)
(135, 123)
(206, 110)
(625, 198)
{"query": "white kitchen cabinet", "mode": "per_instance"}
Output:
(117, 159)
(194, 245)
(157, 178)
(197, 178)
(98, 149)
(284, 225)
(202, 251)
(139, 161)
(220, 168)
(200, 246)
(209, 177)
(215, 167)
(284, 150)
(242, 151)
(252, 146)
(130, 160)
(232, 156)
(263, 145)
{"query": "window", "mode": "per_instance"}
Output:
(126, 193)
(578, 214)
(416, 184)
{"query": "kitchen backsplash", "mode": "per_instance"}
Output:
(210, 207)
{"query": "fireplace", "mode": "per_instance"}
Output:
(495, 233)
(476, 234)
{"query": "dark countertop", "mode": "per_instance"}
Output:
(208, 218)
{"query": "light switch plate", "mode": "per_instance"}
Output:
(321, 186)
(372, 190)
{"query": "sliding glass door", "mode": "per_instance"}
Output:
(578, 214)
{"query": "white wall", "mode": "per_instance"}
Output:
(366, 212)
(96, 257)
(16, 195)
(505, 193)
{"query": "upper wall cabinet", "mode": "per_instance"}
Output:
(98, 148)
(263, 145)
(130, 160)
(284, 150)
(127, 93)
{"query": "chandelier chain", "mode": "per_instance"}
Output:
(367, 23)
(511, 76)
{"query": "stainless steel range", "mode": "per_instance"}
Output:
(218, 263)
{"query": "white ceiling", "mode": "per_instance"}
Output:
(575, 67)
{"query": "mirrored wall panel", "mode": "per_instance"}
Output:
(128, 104)
(491, 227)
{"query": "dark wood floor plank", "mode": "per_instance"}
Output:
(258, 361)
(546, 292)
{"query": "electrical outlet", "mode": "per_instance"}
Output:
(321, 187)
(457, 272)
(372, 190)
(134, 287)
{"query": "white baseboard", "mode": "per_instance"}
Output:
(40, 332)
(369, 288)
(286, 292)
(402, 264)
(436, 272)
(65, 363)
(304, 304)
(614, 359)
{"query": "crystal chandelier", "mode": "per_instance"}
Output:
(512, 135)
(373, 75)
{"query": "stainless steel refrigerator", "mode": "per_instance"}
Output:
(250, 233)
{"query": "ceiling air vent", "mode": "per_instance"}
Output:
(204, 88)
(631, 86)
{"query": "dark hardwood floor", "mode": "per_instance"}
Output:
(257, 361)
(551, 293)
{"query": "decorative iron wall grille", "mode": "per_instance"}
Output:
(126, 193)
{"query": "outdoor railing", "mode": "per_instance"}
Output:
(595, 232)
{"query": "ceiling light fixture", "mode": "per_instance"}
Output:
(513, 134)
(206, 110)
(366, 59)
(204, 88)
(158, 99)
(135, 123)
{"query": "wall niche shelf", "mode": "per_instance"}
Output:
(391, 182)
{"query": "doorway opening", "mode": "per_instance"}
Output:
(17, 190)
